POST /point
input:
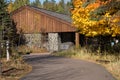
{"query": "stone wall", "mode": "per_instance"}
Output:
(33, 40)
(53, 41)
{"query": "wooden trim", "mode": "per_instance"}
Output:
(77, 40)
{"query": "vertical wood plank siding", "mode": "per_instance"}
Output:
(33, 21)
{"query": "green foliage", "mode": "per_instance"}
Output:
(45, 4)
(3, 17)
(7, 27)
(53, 5)
(19, 3)
(112, 7)
(37, 3)
(61, 6)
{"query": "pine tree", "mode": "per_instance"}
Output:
(37, 3)
(61, 7)
(68, 7)
(53, 5)
(7, 29)
(3, 13)
(19, 3)
(46, 4)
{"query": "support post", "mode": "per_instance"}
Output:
(77, 40)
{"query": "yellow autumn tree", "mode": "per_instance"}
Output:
(115, 24)
(10, 6)
(81, 19)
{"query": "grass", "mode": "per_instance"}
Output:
(14, 69)
(110, 61)
(27, 50)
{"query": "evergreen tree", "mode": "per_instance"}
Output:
(61, 7)
(46, 4)
(19, 3)
(53, 5)
(3, 7)
(68, 7)
(37, 3)
(53, 1)
(49, 5)
(7, 29)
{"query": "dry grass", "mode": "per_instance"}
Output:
(14, 69)
(26, 50)
(114, 68)
(110, 61)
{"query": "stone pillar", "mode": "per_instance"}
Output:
(77, 43)
(53, 40)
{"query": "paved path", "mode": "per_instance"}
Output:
(46, 67)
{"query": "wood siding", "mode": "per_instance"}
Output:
(32, 21)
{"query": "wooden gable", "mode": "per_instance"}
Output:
(31, 20)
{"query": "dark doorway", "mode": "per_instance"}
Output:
(67, 37)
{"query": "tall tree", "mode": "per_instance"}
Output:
(53, 5)
(61, 7)
(84, 14)
(37, 3)
(7, 29)
(68, 7)
(46, 4)
(19, 3)
(3, 12)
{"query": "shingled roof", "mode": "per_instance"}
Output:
(55, 14)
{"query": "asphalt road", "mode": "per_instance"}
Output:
(47, 67)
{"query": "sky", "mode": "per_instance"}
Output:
(55, 0)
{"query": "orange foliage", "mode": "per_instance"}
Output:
(81, 20)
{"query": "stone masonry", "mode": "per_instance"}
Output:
(53, 41)
(33, 40)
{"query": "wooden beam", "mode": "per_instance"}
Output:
(77, 40)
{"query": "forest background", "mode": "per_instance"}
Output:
(60, 6)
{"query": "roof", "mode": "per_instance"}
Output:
(55, 14)
(64, 17)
